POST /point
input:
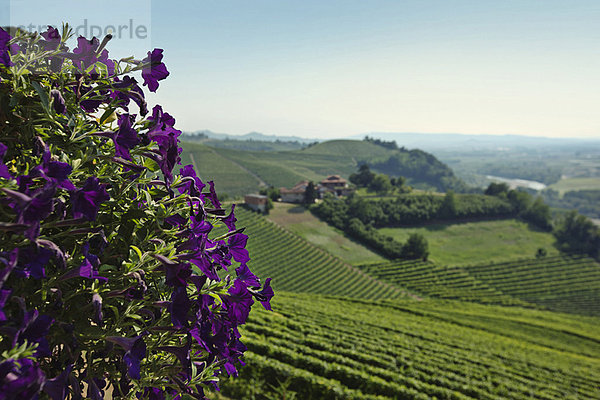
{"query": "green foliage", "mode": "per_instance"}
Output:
(331, 348)
(416, 247)
(380, 184)
(577, 234)
(298, 266)
(363, 177)
(310, 194)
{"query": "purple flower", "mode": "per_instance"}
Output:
(87, 200)
(239, 300)
(266, 294)
(246, 276)
(4, 296)
(34, 329)
(135, 351)
(179, 307)
(128, 89)
(32, 262)
(54, 172)
(3, 168)
(192, 187)
(166, 136)
(5, 49)
(85, 55)
(237, 244)
(58, 102)
(155, 70)
(126, 137)
(230, 220)
(52, 42)
(57, 388)
(213, 195)
(20, 379)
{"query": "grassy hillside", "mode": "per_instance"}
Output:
(474, 242)
(325, 348)
(240, 171)
(296, 265)
(301, 222)
(229, 176)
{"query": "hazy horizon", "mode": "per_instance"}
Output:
(338, 68)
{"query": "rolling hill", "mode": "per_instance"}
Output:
(286, 168)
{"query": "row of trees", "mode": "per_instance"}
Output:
(416, 247)
(379, 183)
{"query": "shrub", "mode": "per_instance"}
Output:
(110, 264)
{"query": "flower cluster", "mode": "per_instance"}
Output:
(116, 273)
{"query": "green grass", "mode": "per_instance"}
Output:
(300, 221)
(475, 242)
(571, 184)
(330, 348)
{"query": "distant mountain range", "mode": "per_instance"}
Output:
(428, 141)
(252, 136)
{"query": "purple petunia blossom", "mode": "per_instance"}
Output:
(52, 42)
(135, 351)
(266, 294)
(179, 307)
(34, 328)
(213, 195)
(166, 136)
(155, 70)
(85, 55)
(246, 276)
(54, 172)
(32, 262)
(193, 188)
(4, 296)
(3, 168)
(230, 220)
(20, 379)
(239, 300)
(126, 90)
(237, 244)
(5, 49)
(126, 138)
(57, 388)
(58, 102)
(87, 200)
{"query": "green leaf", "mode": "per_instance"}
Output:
(43, 95)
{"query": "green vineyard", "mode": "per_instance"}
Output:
(561, 283)
(317, 347)
(296, 265)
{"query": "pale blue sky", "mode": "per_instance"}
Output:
(338, 68)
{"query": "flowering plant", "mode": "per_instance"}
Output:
(111, 265)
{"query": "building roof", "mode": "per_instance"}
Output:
(334, 179)
(299, 187)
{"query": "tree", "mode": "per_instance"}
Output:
(496, 189)
(310, 194)
(111, 274)
(577, 234)
(380, 184)
(363, 177)
(448, 207)
(416, 247)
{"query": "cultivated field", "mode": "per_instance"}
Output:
(324, 348)
(474, 242)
